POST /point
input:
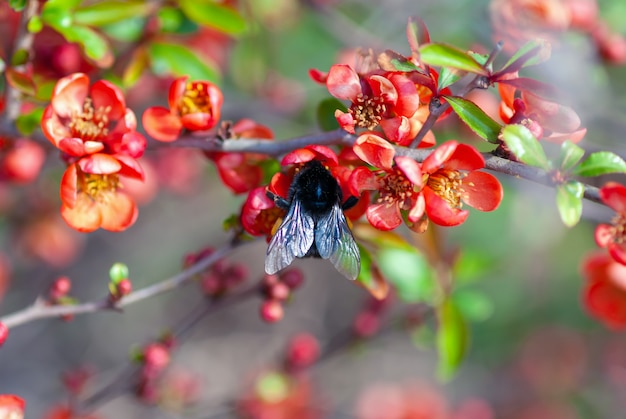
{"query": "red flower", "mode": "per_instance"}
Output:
(90, 193)
(545, 119)
(80, 120)
(604, 294)
(451, 179)
(613, 236)
(259, 214)
(398, 190)
(11, 407)
(386, 99)
(241, 171)
(195, 106)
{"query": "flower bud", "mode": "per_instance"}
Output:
(303, 351)
(4, 333)
(272, 311)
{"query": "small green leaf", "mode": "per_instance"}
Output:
(447, 77)
(452, 339)
(118, 272)
(135, 68)
(27, 123)
(476, 306)
(21, 81)
(35, 24)
(20, 57)
(405, 65)
(94, 45)
(448, 56)
(218, 16)
(600, 163)
(56, 17)
(569, 201)
(178, 60)
(129, 30)
(540, 54)
(3, 65)
(17, 5)
(570, 155)
(170, 19)
(326, 113)
(111, 11)
(272, 387)
(525, 146)
(409, 272)
(475, 118)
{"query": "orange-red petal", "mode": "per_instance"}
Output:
(69, 94)
(482, 191)
(100, 164)
(160, 124)
(440, 212)
(119, 213)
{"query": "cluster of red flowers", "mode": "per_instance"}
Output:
(97, 135)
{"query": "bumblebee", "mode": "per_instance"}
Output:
(315, 225)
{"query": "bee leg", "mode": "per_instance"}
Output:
(280, 202)
(350, 202)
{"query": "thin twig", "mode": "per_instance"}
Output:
(40, 310)
(23, 42)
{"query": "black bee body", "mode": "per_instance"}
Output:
(315, 225)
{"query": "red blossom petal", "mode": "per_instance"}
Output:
(383, 88)
(384, 216)
(119, 213)
(613, 194)
(482, 191)
(128, 122)
(256, 202)
(161, 125)
(76, 147)
(411, 169)
(618, 252)
(69, 185)
(318, 76)
(440, 212)
(107, 95)
(52, 127)
(130, 167)
(399, 130)
(100, 164)
(607, 302)
(311, 152)
(346, 121)
(408, 98)
(374, 150)
(236, 174)
(177, 90)
(465, 157)
(603, 235)
(216, 98)
(69, 94)
(343, 82)
(439, 156)
(574, 137)
(417, 211)
(85, 216)
(198, 121)
(248, 128)
(362, 179)
(280, 184)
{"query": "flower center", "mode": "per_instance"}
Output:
(195, 100)
(368, 112)
(396, 188)
(95, 185)
(90, 124)
(618, 228)
(447, 184)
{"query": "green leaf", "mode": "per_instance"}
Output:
(475, 118)
(448, 56)
(178, 60)
(525, 146)
(475, 305)
(94, 45)
(569, 201)
(21, 81)
(111, 11)
(405, 65)
(128, 30)
(452, 339)
(600, 163)
(326, 113)
(17, 5)
(35, 24)
(409, 272)
(55, 16)
(570, 155)
(3, 65)
(135, 68)
(370, 277)
(542, 53)
(27, 123)
(472, 264)
(215, 15)
(447, 77)
(170, 19)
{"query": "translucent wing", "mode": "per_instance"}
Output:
(293, 239)
(334, 241)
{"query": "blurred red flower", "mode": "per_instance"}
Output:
(195, 106)
(604, 293)
(613, 237)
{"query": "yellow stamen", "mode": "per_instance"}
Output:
(195, 100)
(448, 185)
(368, 112)
(90, 124)
(94, 185)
